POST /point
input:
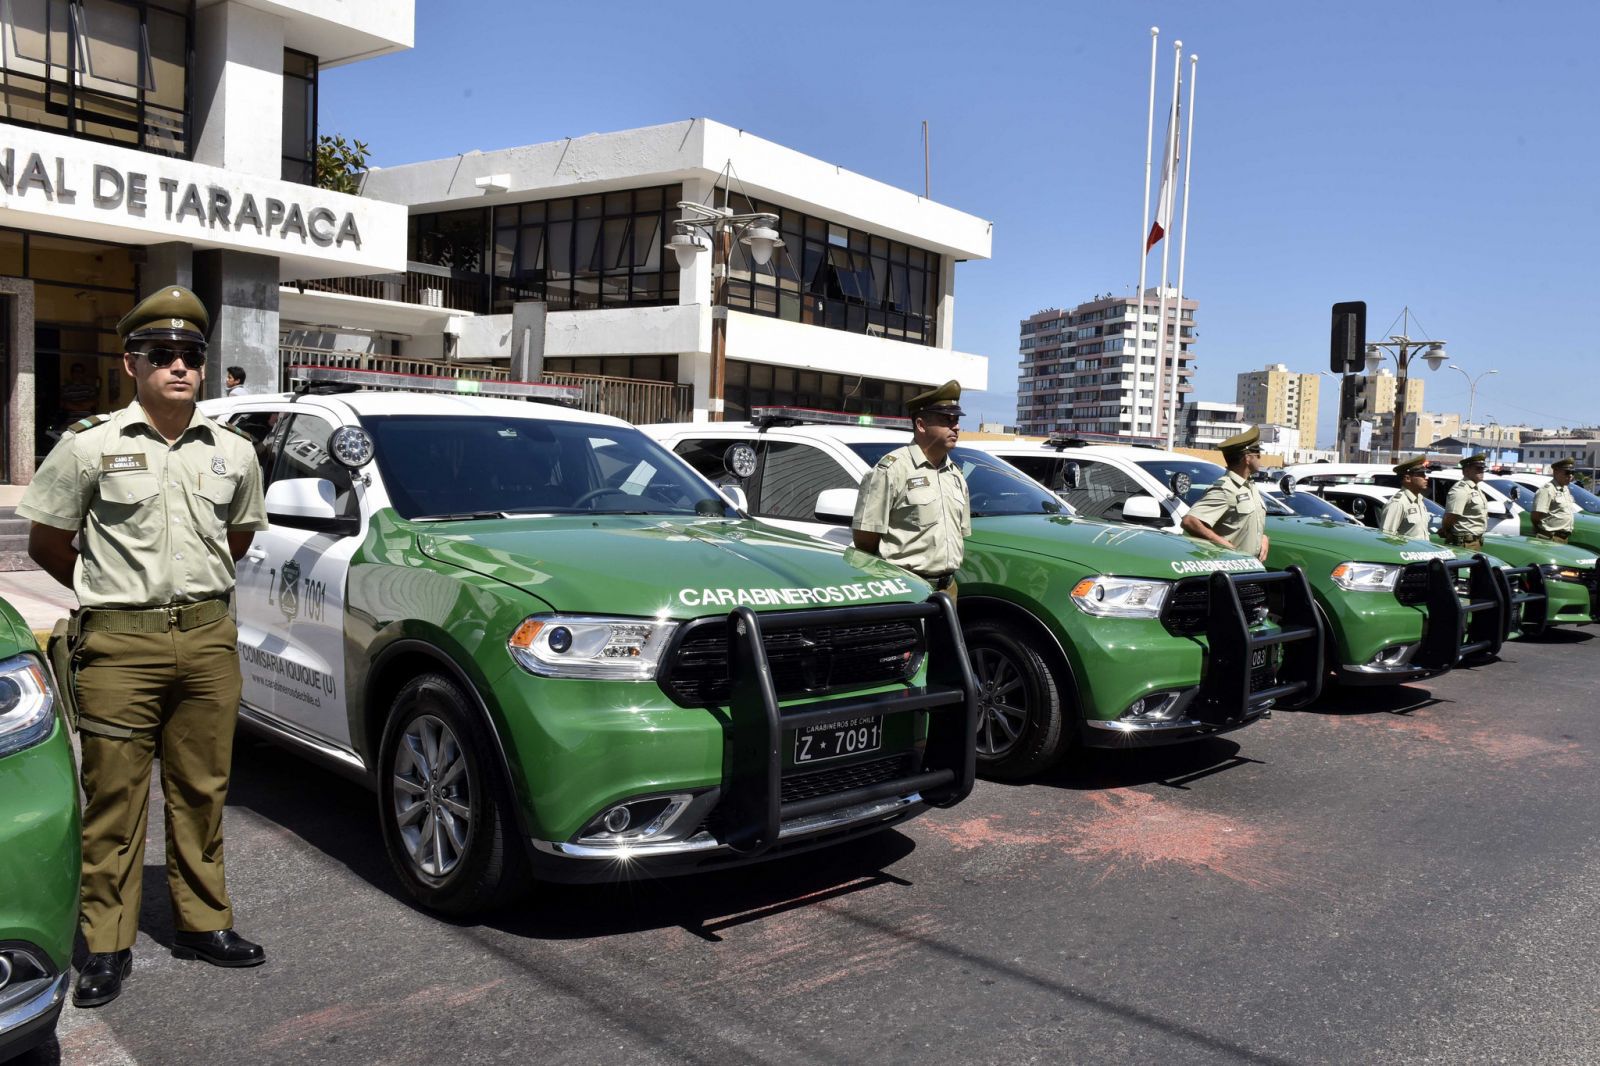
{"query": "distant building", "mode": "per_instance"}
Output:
(1084, 372)
(1281, 397)
(1207, 423)
(1544, 452)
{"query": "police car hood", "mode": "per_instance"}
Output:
(648, 564)
(1347, 541)
(1102, 547)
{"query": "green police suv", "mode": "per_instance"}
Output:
(39, 843)
(556, 652)
(1080, 631)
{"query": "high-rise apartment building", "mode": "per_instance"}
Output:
(1085, 371)
(1279, 396)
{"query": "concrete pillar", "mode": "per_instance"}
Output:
(527, 339)
(241, 292)
(238, 89)
(17, 324)
(166, 264)
(945, 325)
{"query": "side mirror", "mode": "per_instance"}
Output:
(1142, 509)
(836, 506)
(1071, 472)
(1286, 483)
(1180, 484)
(301, 497)
(735, 495)
(1498, 509)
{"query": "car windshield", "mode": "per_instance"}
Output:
(1584, 498)
(995, 487)
(1516, 490)
(467, 466)
(1308, 506)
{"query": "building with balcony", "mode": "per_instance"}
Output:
(1207, 423)
(151, 142)
(1084, 373)
(1278, 396)
(550, 261)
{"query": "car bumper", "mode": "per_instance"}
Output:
(28, 1013)
(1126, 734)
(40, 842)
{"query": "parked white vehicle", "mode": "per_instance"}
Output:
(1504, 510)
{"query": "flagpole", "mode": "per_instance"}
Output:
(1167, 179)
(1183, 248)
(1144, 219)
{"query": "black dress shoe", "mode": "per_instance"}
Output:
(221, 948)
(100, 977)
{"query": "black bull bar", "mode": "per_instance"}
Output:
(1229, 692)
(1457, 630)
(752, 801)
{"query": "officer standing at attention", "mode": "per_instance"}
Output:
(1406, 515)
(1232, 514)
(163, 500)
(1554, 509)
(1466, 509)
(913, 508)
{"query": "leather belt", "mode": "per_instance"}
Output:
(179, 616)
(940, 582)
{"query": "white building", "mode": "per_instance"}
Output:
(1207, 423)
(150, 142)
(550, 259)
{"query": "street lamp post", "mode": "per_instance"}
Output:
(1472, 395)
(1400, 347)
(716, 228)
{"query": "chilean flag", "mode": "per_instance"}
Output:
(1169, 167)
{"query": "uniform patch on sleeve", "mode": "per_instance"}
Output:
(123, 462)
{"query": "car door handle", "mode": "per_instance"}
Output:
(256, 555)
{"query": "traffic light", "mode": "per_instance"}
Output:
(1347, 346)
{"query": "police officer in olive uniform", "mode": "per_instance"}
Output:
(913, 507)
(162, 500)
(1406, 513)
(1232, 513)
(1554, 509)
(1466, 509)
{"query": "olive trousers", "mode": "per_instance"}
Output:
(140, 694)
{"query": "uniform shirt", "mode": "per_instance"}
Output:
(1405, 515)
(1557, 506)
(1467, 500)
(921, 511)
(1234, 510)
(152, 517)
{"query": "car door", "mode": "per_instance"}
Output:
(784, 481)
(292, 589)
(1101, 490)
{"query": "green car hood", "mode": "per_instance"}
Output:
(669, 567)
(1520, 551)
(1104, 547)
(14, 632)
(1348, 542)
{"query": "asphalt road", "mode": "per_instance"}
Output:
(1404, 875)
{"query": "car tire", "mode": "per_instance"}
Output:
(1025, 721)
(445, 804)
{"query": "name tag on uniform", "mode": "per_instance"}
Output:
(1243, 496)
(916, 482)
(122, 462)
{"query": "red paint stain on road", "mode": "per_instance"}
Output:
(346, 1017)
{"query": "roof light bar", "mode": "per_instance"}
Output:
(800, 416)
(383, 379)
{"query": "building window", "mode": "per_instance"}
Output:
(299, 117)
(104, 70)
(602, 250)
(762, 385)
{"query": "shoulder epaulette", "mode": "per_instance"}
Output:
(88, 423)
(888, 460)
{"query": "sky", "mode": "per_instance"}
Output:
(1436, 156)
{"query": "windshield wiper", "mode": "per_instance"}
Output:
(460, 516)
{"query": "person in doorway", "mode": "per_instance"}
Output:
(1466, 509)
(1554, 509)
(162, 501)
(913, 508)
(235, 381)
(1406, 513)
(1232, 514)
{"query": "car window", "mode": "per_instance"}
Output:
(1201, 474)
(995, 488)
(451, 465)
(258, 426)
(1101, 490)
(708, 456)
(304, 453)
(1517, 491)
(1307, 505)
(1584, 498)
(792, 475)
(1045, 469)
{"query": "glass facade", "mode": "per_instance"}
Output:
(299, 117)
(831, 275)
(761, 385)
(105, 70)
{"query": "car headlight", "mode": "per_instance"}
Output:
(1366, 577)
(617, 649)
(1121, 597)
(26, 704)
(1558, 572)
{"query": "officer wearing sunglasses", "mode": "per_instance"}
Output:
(163, 500)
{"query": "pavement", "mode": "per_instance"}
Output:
(1405, 875)
(38, 597)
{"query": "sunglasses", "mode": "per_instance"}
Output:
(1252, 451)
(193, 358)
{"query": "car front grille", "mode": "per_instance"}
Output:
(808, 661)
(815, 783)
(1412, 588)
(1187, 610)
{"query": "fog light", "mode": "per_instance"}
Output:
(617, 819)
(1393, 655)
(1156, 707)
